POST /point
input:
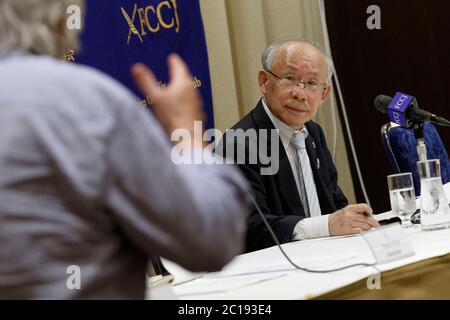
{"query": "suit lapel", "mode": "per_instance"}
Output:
(285, 177)
(288, 187)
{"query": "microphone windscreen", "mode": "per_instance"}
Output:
(382, 102)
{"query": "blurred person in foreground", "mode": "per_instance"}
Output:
(86, 175)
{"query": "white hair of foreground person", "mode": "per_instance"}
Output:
(37, 26)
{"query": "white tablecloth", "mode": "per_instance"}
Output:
(266, 274)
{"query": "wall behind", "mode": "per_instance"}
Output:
(409, 53)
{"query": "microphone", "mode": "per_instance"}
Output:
(404, 111)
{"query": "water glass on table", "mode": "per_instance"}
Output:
(402, 196)
(435, 212)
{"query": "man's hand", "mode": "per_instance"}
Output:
(352, 219)
(178, 104)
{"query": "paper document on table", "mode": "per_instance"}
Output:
(332, 237)
(179, 273)
(218, 285)
(384, 216)
(316, 263)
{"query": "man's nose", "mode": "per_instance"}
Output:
(298, 92)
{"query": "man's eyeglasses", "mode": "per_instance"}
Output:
(291, 82)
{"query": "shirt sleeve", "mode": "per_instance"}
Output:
(309, 228)
(194, 215)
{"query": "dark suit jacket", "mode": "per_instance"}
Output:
(277, 194)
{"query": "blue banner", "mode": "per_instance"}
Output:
(118, 33)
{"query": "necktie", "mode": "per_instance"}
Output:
(308, 193)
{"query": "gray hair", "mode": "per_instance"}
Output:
(270, 51)
(30, 26)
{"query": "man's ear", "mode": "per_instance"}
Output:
(262, 80)
(325, 92)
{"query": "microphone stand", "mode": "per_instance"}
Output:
(421, 153)
(420, 139)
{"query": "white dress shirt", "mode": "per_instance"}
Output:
(308, 228)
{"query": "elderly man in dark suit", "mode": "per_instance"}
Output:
(301, 200)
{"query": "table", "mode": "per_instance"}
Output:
(266, 274)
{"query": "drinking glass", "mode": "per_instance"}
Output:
(402, 196)
(435, 212)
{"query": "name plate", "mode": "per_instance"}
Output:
(389, 243)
